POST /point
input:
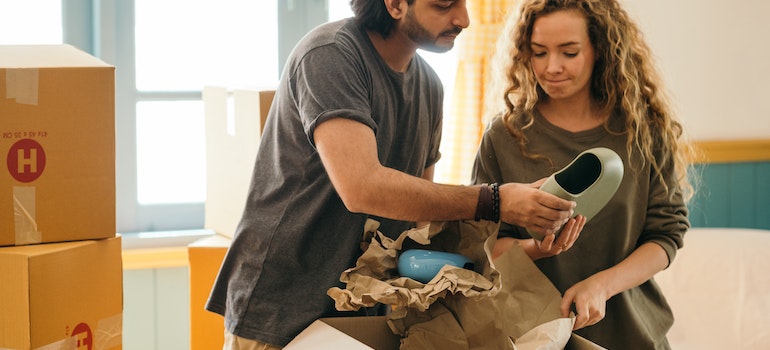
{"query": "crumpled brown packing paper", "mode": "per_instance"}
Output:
(375, 277)
(507, 304)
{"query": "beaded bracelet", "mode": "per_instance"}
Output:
(495, 202)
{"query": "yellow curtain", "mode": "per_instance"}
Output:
(464, 118)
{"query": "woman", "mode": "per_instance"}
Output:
(576, 74)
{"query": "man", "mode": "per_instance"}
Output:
(353, 133)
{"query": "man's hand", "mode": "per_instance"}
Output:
(538, 211)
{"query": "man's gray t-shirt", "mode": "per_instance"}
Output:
(296, 236)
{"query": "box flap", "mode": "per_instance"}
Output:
(34, 250)
(360, 332)
(234, 124)
(46, 56)
(321, 336)
(215, 241)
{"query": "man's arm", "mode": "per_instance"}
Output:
(348, 150)
(427, 175)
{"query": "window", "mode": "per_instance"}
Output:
(172, 49)
(220, 43)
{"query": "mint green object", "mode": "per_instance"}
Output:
(590, 180)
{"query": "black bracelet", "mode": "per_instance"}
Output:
(480, 202)
(495, 202)
(488, 205)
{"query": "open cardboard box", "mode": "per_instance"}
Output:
(367, 333)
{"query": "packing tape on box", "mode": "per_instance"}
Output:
(21, 85)
(25, 222)
(108, 335)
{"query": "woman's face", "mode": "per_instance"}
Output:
(562, 55)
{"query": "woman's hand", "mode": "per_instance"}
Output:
(590, 295)
(590, 299)
(550, 245)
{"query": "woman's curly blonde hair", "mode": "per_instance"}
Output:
(625, 83)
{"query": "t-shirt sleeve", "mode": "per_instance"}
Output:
(435, 153)
(328, 82)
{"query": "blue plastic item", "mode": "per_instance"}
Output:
(422, 265)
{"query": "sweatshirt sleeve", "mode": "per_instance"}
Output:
(485, 167)
(666, 221)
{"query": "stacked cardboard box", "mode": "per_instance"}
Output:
(60, 257)
(61, 295)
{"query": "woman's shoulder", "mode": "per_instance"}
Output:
(496, 132)
(496, 123)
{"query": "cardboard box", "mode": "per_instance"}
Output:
(57, 145)
(231, 151)
(371, 332)
(206, 328)
(62, 295)
(350, 333)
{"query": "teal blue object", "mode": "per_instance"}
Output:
(422, 265)
(590, 180)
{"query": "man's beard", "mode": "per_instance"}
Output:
(423, 38)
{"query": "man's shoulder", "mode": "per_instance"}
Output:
(338, 39)
(329, 33)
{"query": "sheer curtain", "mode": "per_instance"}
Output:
(464, 119)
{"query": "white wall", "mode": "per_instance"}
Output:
(715, 58)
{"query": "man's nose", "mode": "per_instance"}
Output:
(461, 18)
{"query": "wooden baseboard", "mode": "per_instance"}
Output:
(733, 151)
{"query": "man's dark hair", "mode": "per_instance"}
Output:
(373, 15)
